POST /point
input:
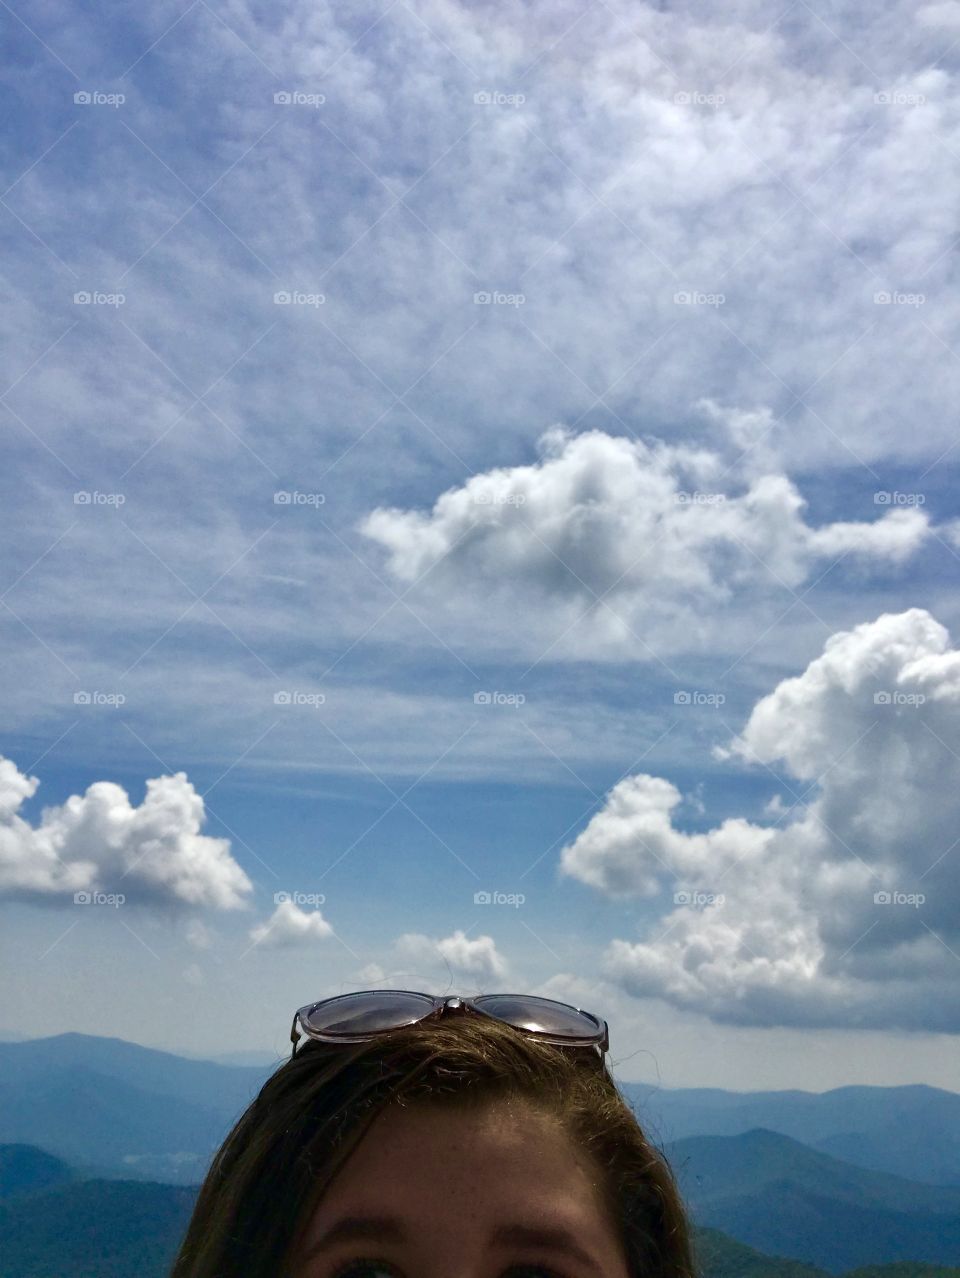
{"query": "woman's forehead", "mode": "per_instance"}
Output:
(506, 1147)
(466, 1176)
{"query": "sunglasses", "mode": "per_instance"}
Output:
(356, 1018)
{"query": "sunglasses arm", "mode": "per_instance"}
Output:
(294, 1036)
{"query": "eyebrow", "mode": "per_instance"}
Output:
(388, 1229)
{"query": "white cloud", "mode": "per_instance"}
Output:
(661, 532)
(943, 14)
(153, 853)
(289, 925)
(628, 847)
(371, 974)
(779, 923)
(198, 935)
(477, 958)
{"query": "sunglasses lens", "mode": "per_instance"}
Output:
(367, 1011)
(541, 1015)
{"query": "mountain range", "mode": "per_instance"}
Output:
(53, 1225)
(913, 1131)
(855, 1177)
(784, 1198)
(117, 1109)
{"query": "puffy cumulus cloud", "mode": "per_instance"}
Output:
(846, 909)
(637, 816)
(100, 841)
(289, 925)
(477, 958)
(654, 530)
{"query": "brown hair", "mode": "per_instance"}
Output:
(264, 1183)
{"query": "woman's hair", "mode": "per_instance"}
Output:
(260, 1193)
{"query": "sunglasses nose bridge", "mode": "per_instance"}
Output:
(450, 1003)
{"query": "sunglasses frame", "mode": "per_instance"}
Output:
(440, 1004)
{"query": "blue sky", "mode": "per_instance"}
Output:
(453, 449)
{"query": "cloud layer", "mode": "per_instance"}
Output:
(846, 909)
(99, 842)
(719, 154)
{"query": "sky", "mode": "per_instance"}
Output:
(479, 494)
